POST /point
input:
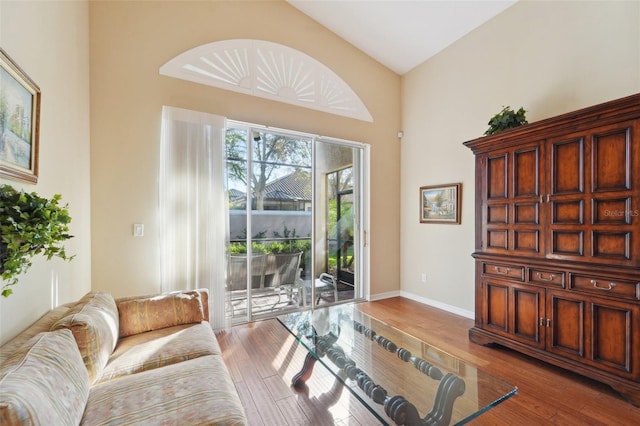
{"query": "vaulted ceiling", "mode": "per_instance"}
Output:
(401, 34)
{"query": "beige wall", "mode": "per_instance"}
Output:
(49, 41)
(550, 58)
(131, 40)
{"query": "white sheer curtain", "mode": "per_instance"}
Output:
(193, 207)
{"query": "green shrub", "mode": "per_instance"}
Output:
(29, 225)
(506, 119)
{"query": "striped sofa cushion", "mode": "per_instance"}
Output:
(43, 324)
(193, 392)
(44, 382)
(158, 348)
(94, 324)
(153, 313)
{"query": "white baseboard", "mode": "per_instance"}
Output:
(436, 304)
(387, 295)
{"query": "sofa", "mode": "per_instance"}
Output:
(151, 360)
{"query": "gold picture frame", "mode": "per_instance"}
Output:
(441, 203)
(19, 122)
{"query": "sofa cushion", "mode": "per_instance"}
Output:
(44, 323)
(94, 324)
(153, 313)
(44, 382)
(162, 347)
(197, 391)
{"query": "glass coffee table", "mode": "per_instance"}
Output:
(400, 379)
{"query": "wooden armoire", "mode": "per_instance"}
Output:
(557, 246)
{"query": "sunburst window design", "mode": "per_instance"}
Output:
(268, 70)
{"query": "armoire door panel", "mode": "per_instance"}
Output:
(611, 344)
(610, 160)
(528, 309)
(611, 245)
(567, 166)
(496, 239)
(566, 329)
(568, 243)
(526, 240)
(612, 211)
(526, 166)
(497, 214)
(526, 213)
(569, 212)
(496, 309)
(497, 176)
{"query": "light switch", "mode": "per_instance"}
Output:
(138, 230)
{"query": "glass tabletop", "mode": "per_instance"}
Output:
(400, 379)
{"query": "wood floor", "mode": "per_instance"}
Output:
(263, 356)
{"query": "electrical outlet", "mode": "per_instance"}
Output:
(423, 277)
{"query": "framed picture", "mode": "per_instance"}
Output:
(440, 203)
(19, 122)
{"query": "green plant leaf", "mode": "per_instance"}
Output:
(30, 225)
(507, 118)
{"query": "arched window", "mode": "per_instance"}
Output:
(268, 70)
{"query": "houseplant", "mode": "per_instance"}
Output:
(29, 225)
(506, 119)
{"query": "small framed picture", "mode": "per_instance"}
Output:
(440, 203)
(19, 122)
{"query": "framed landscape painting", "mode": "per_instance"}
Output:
(19, 122)
(440, 203)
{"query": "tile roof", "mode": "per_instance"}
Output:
(294, 186)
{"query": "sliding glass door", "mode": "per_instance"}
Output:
(294, 221)
(339, 239)
(341, 224)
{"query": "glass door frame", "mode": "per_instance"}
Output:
(343, 274)
(361, 174)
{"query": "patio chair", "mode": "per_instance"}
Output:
(237, 276)
(282, 273)
(272, 275)
(325, 283)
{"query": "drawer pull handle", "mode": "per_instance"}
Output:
(595, 284)
(499, 270)
(542, 278)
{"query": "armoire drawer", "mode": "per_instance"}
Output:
(605, 286)
(546, 277)
(503, 270)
